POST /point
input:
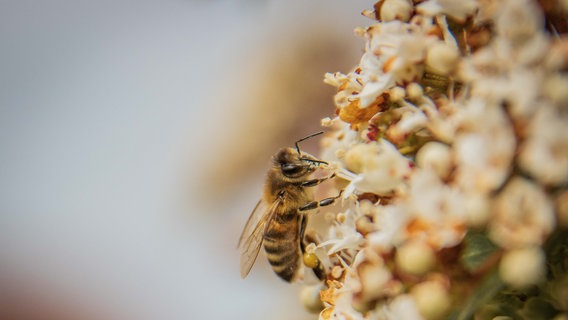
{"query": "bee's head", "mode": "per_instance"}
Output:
(293, 164)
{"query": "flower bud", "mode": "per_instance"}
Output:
(310, 297)
(395, 10)
(415, 257)
(437, 156)
(432, 299)
(442, 58)
(523, 267)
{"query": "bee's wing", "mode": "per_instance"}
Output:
(252, 236)
(252, 221)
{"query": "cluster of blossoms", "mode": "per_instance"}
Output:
(451, 146)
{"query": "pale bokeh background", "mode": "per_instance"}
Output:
(133, 151)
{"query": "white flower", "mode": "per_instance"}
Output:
(412, 120)
(477, 209)
(371, 66)
(341, 237)
(403, 307)
(380, 167)
(544, 154)
(394, 51)
(374, 89)
(485, 147)
(390, 222)
(555, 88)
(337, 141)
(521, 89)
(522, 215)
(437, 208)
(334, 79)
(518, 20)
(457, 9)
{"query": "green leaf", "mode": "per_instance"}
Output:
(556, 248)
(490, 286)
(477, 250)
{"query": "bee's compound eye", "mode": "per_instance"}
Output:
(310, 260)
(289, 169)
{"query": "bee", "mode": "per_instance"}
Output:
(278, 221)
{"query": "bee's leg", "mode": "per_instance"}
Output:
(303, 224)
(304, 240)
(315, 182)
(322, 203)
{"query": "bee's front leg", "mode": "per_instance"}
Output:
(314, 182)
(322, 203)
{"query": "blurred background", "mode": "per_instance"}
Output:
(134, 138)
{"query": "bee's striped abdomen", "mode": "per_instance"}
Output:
(282, 245)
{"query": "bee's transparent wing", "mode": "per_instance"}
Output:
(252, 236)
(252, 221)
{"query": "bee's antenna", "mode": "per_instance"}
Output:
(305, 138)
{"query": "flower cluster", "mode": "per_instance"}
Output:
(451, 146)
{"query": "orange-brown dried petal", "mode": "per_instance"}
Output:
(327, 313)
(354, 115)
(328, 295)
(387, 66)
